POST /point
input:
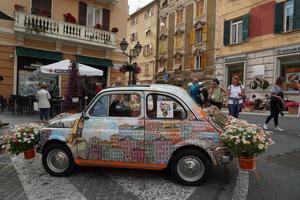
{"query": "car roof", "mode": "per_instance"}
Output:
(153, 87)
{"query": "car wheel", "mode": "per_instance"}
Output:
(190, 167)
(58, 160)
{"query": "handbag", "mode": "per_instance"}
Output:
(36, 106)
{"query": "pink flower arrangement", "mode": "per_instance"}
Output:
(248, 103)
(244, 139)
(97, 26)
(291, 104)
(19, 7)
(114, 30)
(69, 18)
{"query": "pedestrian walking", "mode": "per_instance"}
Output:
(216, 93)
(276, 90)
(194, 91)
(43, 97)
(236, 95)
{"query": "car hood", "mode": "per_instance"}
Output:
(64, 120)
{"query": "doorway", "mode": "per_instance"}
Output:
(236, 69)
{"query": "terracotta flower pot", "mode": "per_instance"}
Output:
(247, 163)
(29, 154)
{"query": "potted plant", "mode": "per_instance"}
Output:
(292, 106)
(114, 30)
(23, 140)
(97, 26)
(69, 18)
(246, 141)
(19, 8)
(249, 105)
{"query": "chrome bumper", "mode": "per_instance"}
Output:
(223, 155)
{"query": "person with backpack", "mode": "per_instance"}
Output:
(276, 90)
(216, 94)
(236, 94)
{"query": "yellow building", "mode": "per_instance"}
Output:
(47, 31)
(186, 41)
(142, 27)
(258, 39)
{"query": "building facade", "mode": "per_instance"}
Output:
(142, 27)
(259, 40)
(47, 31)
(186, 41)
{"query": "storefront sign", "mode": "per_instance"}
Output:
(288, 50)
(33, 66)
(235, 58)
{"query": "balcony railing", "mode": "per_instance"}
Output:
(47, 27)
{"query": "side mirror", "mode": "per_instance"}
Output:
(84, 116)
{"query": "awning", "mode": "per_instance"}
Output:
(63, 67)
(6, 17)
(21, 51)
(161, 70)
(95, 61)
(177, 67)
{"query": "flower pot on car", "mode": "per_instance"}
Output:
(29, 154)
(247, 163)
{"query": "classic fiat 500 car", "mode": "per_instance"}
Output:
(145, 127)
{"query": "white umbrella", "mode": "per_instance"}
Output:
(62, 67)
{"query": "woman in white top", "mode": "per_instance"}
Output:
(236, 93)
(43, 97)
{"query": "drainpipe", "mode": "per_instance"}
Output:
(157, 41)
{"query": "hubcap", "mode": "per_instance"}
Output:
(190, 168)
(57, 160)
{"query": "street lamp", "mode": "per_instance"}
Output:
(135, 53)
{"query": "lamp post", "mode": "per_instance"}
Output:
(135, 53)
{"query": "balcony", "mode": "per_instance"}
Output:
(113, 2)
(46, 27)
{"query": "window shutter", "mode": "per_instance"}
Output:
(296, 14)
(226, 33)
(82, 13)
(203, 61)
(192, 62)
(193, 37)
(204, 33)
(246, 27)
(279, 10)
(106, 16)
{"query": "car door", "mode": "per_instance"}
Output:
(166, 121)
(114, 128)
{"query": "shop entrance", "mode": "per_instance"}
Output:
(290, 71)
(28, 82)
(236, 69)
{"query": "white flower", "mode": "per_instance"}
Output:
(261, 146)
(25, 139)
(19, 140)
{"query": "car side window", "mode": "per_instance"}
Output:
(164, 107)
(124, 105)
(100, 108)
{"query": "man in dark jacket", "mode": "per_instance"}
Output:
(2, 123)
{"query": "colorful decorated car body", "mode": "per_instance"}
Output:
(136, 127)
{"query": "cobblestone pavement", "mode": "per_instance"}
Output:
(22, 179)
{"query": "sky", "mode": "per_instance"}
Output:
(135, 4)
